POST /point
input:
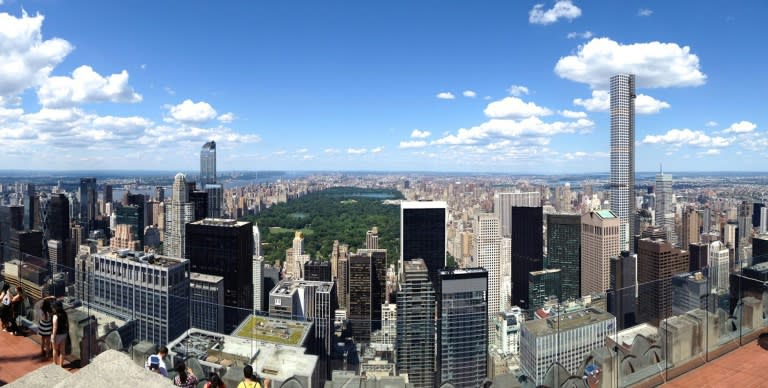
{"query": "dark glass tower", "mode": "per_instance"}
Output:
(367, 287)
(622, 302)
(415, 346)
(422, 234)
(527, 249)
(319, 271)
(462, 332)
(564, 251)
(208, 164)
(224, 248)
(87, 202)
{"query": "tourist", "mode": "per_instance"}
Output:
(184, 378)
(156, 362)
(251, 380)
(59, 333)
(214, 381)
(17, 307)
(45, 326)
(5, 306)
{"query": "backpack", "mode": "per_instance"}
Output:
(256, 384)
(154, 363)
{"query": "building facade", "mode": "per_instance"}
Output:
(416, 335)
(208, 164)
(527, 246)
(177, 214)
(600, 241)
(657, 262)
(487, 254)
(623, 155)
(422, 234)
(207, 302)
(564, 251)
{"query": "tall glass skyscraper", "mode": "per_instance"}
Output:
(564, 251)
(177, 214)
(422, 234)
(208, 164)
(623, 155)
(87, 201)
(462, 330)
(415, 347)
(665, 210)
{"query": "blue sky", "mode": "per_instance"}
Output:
(502, 86)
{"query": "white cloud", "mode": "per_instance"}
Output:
(445, 96)
(26, 60)
(740, 127)
(302, 151)
(572, 115)
(709, 152)
(85, 86)
(377, 150)
(169, 90)
(226, 117)
(601, 102)
(563, 9)
(143, 66)
(711, 123)
(531, 130)
(331, 151)
(517, 90)
(655, 64)
(418, 134)
(192, 112)
(580, 35)
(513, 107)
(413, 144)
(644, 12)
(469, 93)
(356, 151)
(679, 137)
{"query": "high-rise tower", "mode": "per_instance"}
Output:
(422, 234)
(487, 254)
(623, 155)
(177, 214)
(665, 211)
(208, 164)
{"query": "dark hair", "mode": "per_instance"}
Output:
(215, 380)
(58, 307)
(46, 307)
(181, 369)
(162, 350)
(248, 372)
(6, 287)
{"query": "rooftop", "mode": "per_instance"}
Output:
(219, 222)
(423, 205)
(288, 287)
(201, 277)
(569, 321)
(140, 257)
(743, 367)
(273, 330)
(605, 213)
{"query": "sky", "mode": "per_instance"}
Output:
(485, 86)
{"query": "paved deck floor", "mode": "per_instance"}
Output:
(745, 367)
(20, 355)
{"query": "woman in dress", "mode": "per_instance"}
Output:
(45, 326)
(59, 333)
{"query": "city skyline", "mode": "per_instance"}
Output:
(378, 86)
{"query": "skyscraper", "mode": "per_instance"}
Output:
(422, 234)
(542, 285)
(623, 155)
(177, 214)
(208, 164)
(416, 324)
(372, 238)
(87, 201)
(487, 254)
(225, 248)
(665, 211)
(367, 288)
(600, 232)
(462, 332)
(691, 227)
(719, 257)
(564, 251)
(503, 202)
(622, 299)
(527, 239)
(657, 262)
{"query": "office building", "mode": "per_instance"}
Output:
(623, 155)
(564, 251)
(199, 200)
(487, 254)
(258, 282)
(719, 266)
(507, 324)
(208, 164)
(319, 271)
(462, 331)
(422, 234)
(600, 232)
(160, 194)
(31, 208)
(151, 289)
(665, 208)
(416, 324)
(544, 284)
(372, 238)
(88, 199)
(657, 262)
(343, 282)
(206, 302)
(367, 287)
(503, 203)
(54, 221)
(622, 296)
(225, 248)
(178, 212)
(689, 292)
(565, 340)
(123, 238)
(215, 194)
(698, 257)
(132, 216)
(759, 249)
(691, 229)
(107, 194)
(527, 243)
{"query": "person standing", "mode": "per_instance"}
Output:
(185, 378)
(59, 333)
(45, 326)
(5, 306)
(17, 307)
(156, 362)
(251, 380)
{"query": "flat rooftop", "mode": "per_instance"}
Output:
(566, 321)
(153, 259)
(273, 330)
(288, 287)
(219, 222)
(201, 277)
(743, 367)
